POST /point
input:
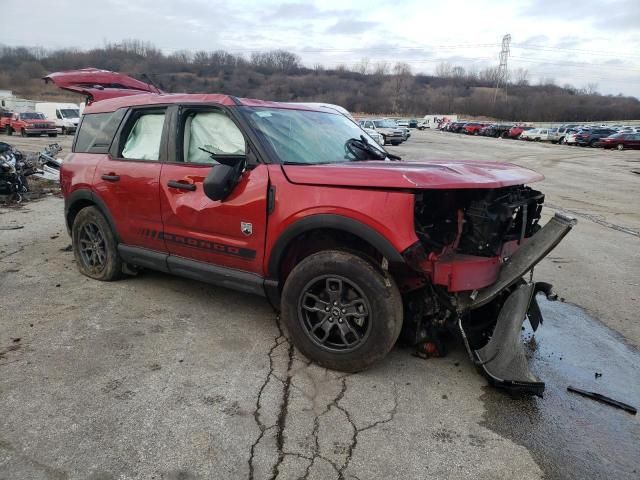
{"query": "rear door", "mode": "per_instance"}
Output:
(229, 233)
(127, 180)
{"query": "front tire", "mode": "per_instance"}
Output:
(95, 246)
(341, 311)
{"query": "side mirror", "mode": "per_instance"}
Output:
(222, 179)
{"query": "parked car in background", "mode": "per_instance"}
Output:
(5, 121)
(588, 138)
(31, 123)
(473, 128)
(413, 123)
(516, 131)
(570, 136)
(403, 123)
(385, 127)
(620, 141)
(65, 115)
(536, 135)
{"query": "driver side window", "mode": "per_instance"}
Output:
(210, 131)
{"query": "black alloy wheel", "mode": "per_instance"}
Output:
(335, 313)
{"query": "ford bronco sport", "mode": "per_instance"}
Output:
(298, 204)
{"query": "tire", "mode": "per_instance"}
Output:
(360, 289)
(620, 147)
(23, 132)
(52, 134)
(8, 130)
(88, 225)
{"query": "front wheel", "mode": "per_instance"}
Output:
(94, 246)
(341, 311)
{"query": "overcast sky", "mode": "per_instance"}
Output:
(576, 42)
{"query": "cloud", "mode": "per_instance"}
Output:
(348, 27)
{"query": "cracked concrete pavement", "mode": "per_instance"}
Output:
(157, 377)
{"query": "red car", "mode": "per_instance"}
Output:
(473, 128)
(620, 141)
(299, 205)
(515, 131)
(31, 123)
(5, 121)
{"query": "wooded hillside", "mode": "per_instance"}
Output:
(280, 75)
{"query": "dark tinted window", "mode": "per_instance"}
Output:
(96, 131)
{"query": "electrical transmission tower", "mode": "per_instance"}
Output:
(502, 69)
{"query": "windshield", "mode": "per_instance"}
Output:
(306, 137)
(69, 113)
(32, 116)
(385, 124)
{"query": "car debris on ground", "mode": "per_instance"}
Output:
(604, 399)
(15, 167)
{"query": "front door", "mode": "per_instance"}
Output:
(127, 179)
(229, 233)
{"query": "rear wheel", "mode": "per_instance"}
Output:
(94, 246)
(620, 146)
(341, 311)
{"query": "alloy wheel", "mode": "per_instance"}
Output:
(92, 247)
(334, 313)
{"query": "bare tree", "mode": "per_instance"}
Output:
(521, 77)
(592, 89)
(444, 70)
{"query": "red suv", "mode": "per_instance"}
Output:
(299, 205)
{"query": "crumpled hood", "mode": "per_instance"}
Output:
(413, 175)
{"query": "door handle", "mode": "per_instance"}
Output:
(182, 185)
(110, 177)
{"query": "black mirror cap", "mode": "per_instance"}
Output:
(221, 181)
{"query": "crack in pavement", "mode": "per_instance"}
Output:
(283, 411)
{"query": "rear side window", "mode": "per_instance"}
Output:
(144, 137)
(96, 132)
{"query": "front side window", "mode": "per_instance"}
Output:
(207, 133)
(309, 137)
(69, 113)
(144, 138)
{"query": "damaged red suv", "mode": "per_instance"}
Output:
(298, 204)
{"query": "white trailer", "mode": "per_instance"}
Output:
(433, 120)
(65, 115)
(18, 105)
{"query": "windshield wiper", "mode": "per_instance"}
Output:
(363, 144)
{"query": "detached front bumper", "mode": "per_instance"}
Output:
(503, 359)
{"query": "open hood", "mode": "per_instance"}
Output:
(98, 84)
(450, 174)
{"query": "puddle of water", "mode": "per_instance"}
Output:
(570, 436)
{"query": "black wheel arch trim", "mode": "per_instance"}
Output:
(86, 194)
(334, 222)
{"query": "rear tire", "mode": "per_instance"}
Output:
(95, 246)
(53, 134)
(341, 311)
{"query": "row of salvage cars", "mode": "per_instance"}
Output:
(619, 137)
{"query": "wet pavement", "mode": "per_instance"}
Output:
(569, 436)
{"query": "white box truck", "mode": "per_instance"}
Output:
(65, 115)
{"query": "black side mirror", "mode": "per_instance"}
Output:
(222, 179)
